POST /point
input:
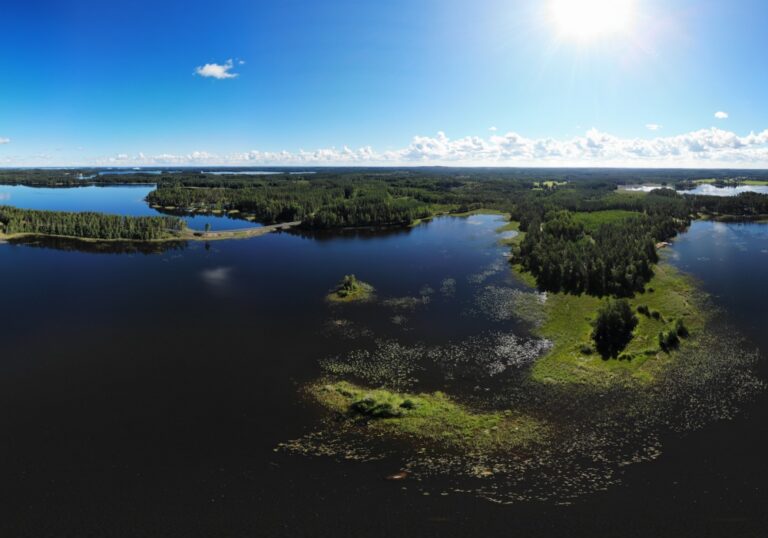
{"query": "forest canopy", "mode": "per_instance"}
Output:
(87, 225)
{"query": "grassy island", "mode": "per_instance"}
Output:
(431, 418)
(668, 299)
(350, 290)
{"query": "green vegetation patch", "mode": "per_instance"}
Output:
(569, 324)
(594, 219)
(432, 418)
(350, 289)
(516, 238)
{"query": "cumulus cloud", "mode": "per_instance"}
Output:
(5, 140)
(217, 71)
(721, 115)
(652, 126)
(711, 147)
(493, 129)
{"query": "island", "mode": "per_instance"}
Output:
(351, 290)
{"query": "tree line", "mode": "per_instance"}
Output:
(318, 204)
(616, 259)
(89, 225)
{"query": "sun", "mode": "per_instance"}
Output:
(589, 19)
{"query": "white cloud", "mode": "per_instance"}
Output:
(721, 115)
(5, 140)
(711, 147)
(493, 129)
(216, 276)
(652, 126)
(217, 71)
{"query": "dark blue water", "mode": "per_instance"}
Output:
(731, 262)
(144, 395)
(118, 200)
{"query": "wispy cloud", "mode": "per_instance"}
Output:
(721, 115)
(5, 140)
(218, 71)
(652, 126)
(493, 129)
(711, 147)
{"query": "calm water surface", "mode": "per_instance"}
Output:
(704, 188)
(118, 200)
(713, 190)
(144, 395)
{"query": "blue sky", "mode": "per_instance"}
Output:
(397, 82)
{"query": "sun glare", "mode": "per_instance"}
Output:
(588, 19)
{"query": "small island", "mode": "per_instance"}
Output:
(350, 290)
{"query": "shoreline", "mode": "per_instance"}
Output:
(186, 235)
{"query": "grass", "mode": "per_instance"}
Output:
(434, 418)
(593, 220)
(568, 325)
(351, 290)
(511, 226)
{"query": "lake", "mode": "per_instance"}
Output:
(703, 188)
(145, 395)
(118, 200)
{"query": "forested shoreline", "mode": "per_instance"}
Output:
(345, 198)
(226, 177)
(87, 225)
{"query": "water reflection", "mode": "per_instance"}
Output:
(99, 247)
(369, 233)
